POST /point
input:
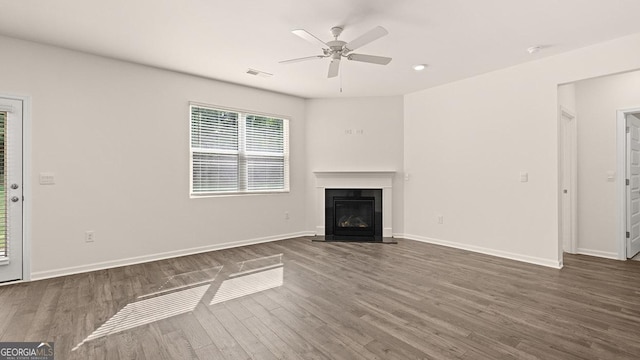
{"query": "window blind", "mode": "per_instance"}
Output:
(214, 145)
(214, 129)
(265, 142)
(236, 152)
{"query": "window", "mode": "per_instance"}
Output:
(238, 152)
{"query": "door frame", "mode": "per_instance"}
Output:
(569, 129)
(621, 186)
(26, 184)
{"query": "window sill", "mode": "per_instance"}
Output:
(233, 194)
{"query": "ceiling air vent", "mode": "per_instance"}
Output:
(259, 73)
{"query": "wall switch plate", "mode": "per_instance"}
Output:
(611, 175)
(47, 178)
(406, 176)
(440, 219)
(524, 177)
(286, 215)
(89, 236)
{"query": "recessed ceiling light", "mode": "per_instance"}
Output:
(534, 49)
(419, 67)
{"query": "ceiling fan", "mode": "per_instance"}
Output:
(337, 49)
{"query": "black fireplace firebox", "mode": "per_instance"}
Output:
(353, 214)
(354, 217)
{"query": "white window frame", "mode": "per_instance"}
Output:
(242, 153)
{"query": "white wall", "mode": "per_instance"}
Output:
(356, 134)
(116, 135)
(467, 142)
(597, 101)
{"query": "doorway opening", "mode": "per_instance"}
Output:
(628, 156)
(568, 181)
(598, 203)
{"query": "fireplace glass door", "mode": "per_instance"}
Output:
(354, 217)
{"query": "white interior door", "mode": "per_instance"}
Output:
(11, 199)
(568, 175)
(633, 185)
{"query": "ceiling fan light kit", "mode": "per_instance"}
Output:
(338, 49)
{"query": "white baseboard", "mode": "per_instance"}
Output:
(39, 275)
(493, 252)
(387, 232)
(598, 253)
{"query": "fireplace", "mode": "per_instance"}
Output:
(353, 214)
(382, 180)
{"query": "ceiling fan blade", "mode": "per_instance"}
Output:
(381, 60)
(301, 59)
(310, 37)
(334, 68)
(367, 37)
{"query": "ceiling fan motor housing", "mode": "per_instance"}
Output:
(336, 45)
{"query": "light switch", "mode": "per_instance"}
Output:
(611, 175)
(47, 179)
(406, 176)
(524, 177)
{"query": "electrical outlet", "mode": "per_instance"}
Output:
(89, 236)
(440, 219)
(47, 179)
(286, 215)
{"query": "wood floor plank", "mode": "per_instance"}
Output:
(270, 339)
(348, 322)
(178, 346)
(112, 350)
(154, 346)
(209, 352)
(225, 342)
(7, 324)
(326, 343)
(190, 328)
(126, 345)
(99, 350)
(284, 331)
(241, 334)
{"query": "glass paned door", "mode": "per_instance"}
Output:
(3, 203)
(11, 199)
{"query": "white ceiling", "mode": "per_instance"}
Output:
(222, 39)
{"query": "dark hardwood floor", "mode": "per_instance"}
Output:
(297, 299)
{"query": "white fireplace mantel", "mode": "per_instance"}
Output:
(356, 180)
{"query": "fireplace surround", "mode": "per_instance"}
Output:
(381, 180)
